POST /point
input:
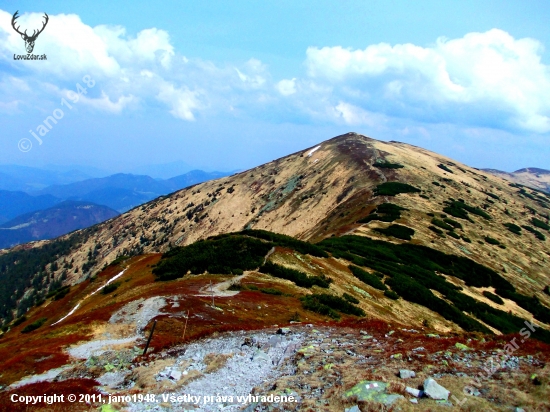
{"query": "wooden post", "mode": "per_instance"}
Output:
(212, 292)
(185, 327)
(150, 336)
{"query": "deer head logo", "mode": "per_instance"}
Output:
(29, 40)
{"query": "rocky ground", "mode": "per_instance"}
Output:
(325, 368)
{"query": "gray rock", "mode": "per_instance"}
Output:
(434, 390)
(261, 356)
(406, 374)
(283, 331)
(354, 408)
(175, 375)
(274, 341)
(414, 392)
(472, 391)
(413, 400)
(519, 410)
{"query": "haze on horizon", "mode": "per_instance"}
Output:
(231, 85)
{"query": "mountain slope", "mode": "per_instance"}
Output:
(381, 235)
(314, 194)
(52, 222)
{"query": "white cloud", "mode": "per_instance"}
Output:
(487, 80)
(104, 103)
(287, 87)
(353, 115)
(487, 74)
(181, 101)
(127, 70)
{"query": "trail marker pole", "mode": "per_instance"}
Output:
(150, 336)
(185, 327)
(212, 292)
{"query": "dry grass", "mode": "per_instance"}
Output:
(215, 361)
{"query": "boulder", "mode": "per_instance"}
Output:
(354, 408)
(417, 393)
(434, 390)
(373, 391)
(406, 374)
(175, 375)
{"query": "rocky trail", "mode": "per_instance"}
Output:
(319, 368)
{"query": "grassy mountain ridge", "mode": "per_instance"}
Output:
(352, 234)
(329, 190)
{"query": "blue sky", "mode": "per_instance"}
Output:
(232, 84)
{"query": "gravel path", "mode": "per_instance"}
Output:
(256, 358)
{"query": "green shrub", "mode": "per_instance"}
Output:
(453, 223)
(540, 224)
(436, 230)
(61, 293)
(492, 195)
(394, 188)
(491, 240)
(271, 291)
(34, 325)
(387, 165)
(119, 260)
(537, 234)
(531, 304)
(398, 231)
(391, 294)
(385, 212)
(415, 292)
(319, 302)
(235, 287)
(460, 209)
(409, 267)
(286, 241)
(19, 320)
(442, 166)
(493, 297)
(56, 291)
(441, 224)
(453, 234)
(466, 239)
(221, 255)
(515, 229)
(436, 183)
(547, 290)
(299, 278)
(310, 303)
(366, 277)
(350, 298)
(111, 287)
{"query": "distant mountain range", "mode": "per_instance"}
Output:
(123, 192)
(530, 176)
(24, 178)
(55, 221)
(118, 193)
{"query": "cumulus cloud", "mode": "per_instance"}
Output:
(485, 77)
(128, 70)
(182, 101)
(481, 80)
(287, 87)
(353, 115)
